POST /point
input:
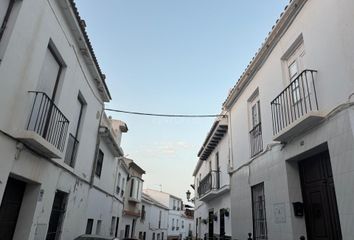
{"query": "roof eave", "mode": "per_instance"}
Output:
(86, 48)
(281, 26)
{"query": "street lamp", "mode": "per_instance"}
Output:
(188, 193)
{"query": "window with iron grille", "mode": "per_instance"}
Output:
(99, 163)
(73, 142)
(259, 213)
(256, 141)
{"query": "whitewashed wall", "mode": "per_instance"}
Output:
(327, 44)
(22, 52)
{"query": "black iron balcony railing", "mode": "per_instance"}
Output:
(256, 140)
(47, 120)
(210, 182)
(297, 99)
(71, 150)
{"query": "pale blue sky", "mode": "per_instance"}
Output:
(175, 57)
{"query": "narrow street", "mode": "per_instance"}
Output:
(158, 120)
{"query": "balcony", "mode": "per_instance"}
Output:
(295, 109)
(256, 140)
(47, 127)
(209, 186)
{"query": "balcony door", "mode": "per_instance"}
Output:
(295, 66)
(42, 114)
(50, 74)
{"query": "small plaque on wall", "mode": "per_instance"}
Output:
(279, 213)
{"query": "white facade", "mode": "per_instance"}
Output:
(308, 125)
(176, 214)
(132, 200)
(105, 207)
(212, 184)
(153, 222)
(50, 138)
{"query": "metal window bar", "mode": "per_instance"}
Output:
(47, 120)
(296, 100)
(256, 140)
(71, 151)
(210, 182)
(259, 213)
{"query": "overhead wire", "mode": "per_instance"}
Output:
(166, 115)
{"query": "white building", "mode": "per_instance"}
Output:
(153, 221)
(105, 200)
(58, 160)
(187, 223)
(132, 200)
(291, 128)
(212, 184)
(176, 214)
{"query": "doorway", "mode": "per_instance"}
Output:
(211, 224)
(320, 204)
(10, 207)
(222, 222)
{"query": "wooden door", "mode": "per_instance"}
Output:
(321, 211)
(10, 207)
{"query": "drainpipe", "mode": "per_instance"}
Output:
(98, 140)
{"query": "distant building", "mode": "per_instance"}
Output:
(212, 185)
(132, 200)
(153, 222)
(104, 208)
(177, 220)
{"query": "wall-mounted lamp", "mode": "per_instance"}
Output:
(188, 195)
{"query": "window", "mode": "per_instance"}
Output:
(182, 224)
(174, 204)
(131, 187)
(123, 187)
(98, 227)
(113, 223)
(73, 142)
(99, 163)
(137, 189)
(133, 227)
(256, 142)
(160, 215)
(259, 212)
(117, 225)
(293, 61)
(153, 236)
(140, 235)
(162, 235)
(5, 10)
(143, 213)
(89, 226)
(127, 229)
(118, 184)
(158, 236)
(57, 215)
(173, 224)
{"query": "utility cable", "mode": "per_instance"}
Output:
(166, 115)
